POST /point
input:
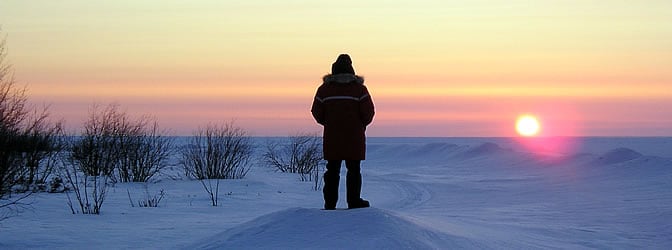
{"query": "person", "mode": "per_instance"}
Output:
(344, 107)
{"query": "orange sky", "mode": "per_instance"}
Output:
(434, 68)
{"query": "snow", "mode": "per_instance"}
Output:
(620, 155)
(314, 228)
(426, 193)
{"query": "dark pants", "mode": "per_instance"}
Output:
(353, 182)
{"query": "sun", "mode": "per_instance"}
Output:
(527, 125)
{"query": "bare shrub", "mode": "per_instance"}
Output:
(29, 154)
(217, 152)
(13, 114)
(125, 150)
(89, 188)
(93, 157)
(99, 149)
(42, 141)
(144, 152)
(300, 154)
(28, 142)
(112, 148)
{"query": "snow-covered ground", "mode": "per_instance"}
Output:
(443, 193)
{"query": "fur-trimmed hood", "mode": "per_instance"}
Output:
(342, 79)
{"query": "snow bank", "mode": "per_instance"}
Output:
(435, 151)
(619, 155)
(303, 228)
(485, 149)
(435, 148)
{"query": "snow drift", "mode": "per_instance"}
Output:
(619, 155)
(484, 149)
(305, 228)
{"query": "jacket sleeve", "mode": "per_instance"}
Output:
(318, 109)
(366, 109)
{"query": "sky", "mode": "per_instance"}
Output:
(434, 68)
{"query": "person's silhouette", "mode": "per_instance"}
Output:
(344, 107)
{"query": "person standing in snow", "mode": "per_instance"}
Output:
(344, 107)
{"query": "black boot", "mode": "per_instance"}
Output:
(361, 203)
(331, 179)
(354, 185)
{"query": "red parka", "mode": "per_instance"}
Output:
(344, 107)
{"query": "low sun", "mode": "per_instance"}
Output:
(527, 125)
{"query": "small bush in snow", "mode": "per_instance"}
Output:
(301, 154)
(144, 152)
(149, 200)
(125, 150)
(99, 150)
(89, 188)
(217, 152)
(93, 158)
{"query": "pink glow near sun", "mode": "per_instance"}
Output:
(561, 124)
